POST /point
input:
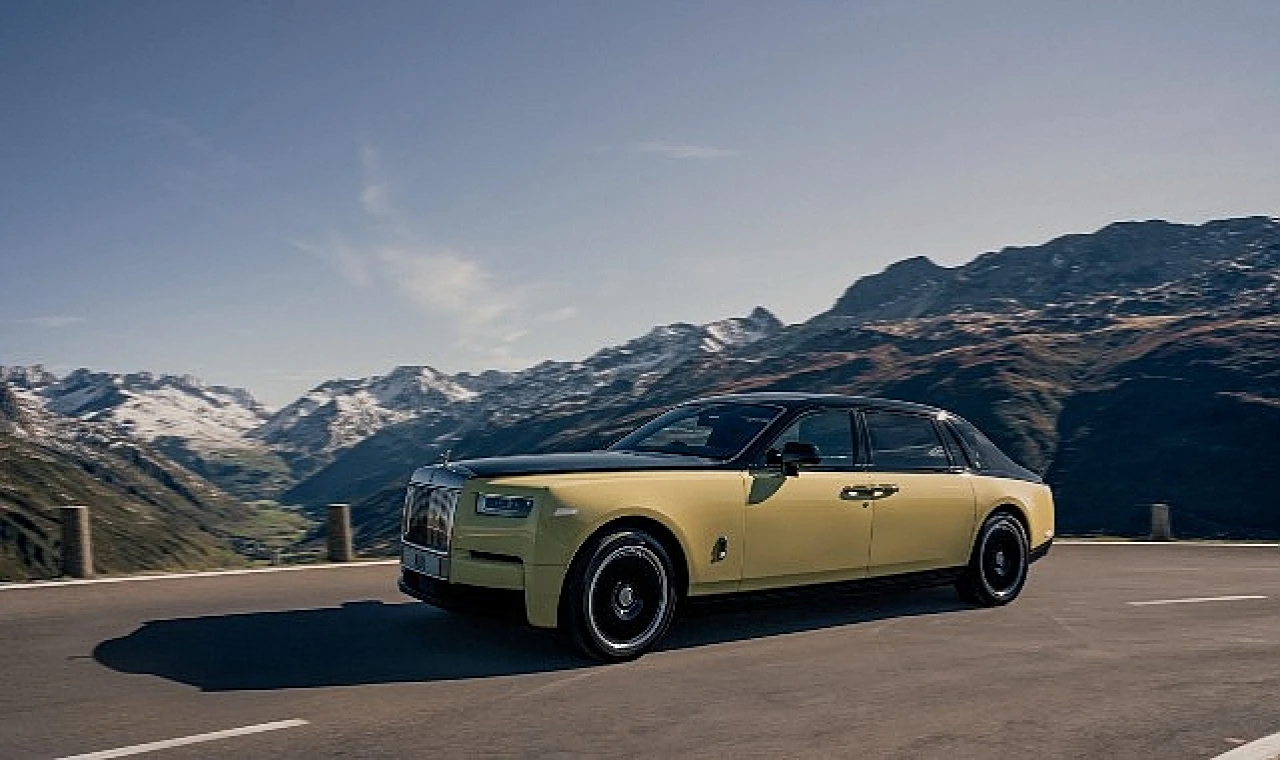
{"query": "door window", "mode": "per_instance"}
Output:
(904, 442)
(831, 432)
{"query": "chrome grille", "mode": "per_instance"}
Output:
(428, 512)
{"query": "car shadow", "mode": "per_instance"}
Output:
(372, 642)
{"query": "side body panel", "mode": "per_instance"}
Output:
(927, 524)
(799, 530)
(780, 532)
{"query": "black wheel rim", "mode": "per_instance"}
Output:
(627, 598)
(1003, 558)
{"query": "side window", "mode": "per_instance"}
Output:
(831, 432)
(904, 442)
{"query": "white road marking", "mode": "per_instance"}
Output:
(138, 749)
(201, 574)
(1194, 600)
(1120, 542)
(1266, 748)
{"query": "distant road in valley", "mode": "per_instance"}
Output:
(1167, 651)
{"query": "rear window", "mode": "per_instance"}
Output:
(986, 456)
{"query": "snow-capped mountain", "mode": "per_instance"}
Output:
(151, 407)
(201, 426)
(339, 414)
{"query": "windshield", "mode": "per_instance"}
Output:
(714, 431)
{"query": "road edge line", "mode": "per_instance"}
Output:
(19, 586)
(1222, 544)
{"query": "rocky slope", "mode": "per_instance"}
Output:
(147, 512)
(201, 426)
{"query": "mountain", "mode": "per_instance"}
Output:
(340, 415)
(201, 426)
(1135, 365)
(147, 512)
(1120, 259)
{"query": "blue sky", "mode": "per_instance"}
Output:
(274, 194)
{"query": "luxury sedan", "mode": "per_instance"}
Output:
(724, 495)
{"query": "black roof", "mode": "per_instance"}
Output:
(793, 399)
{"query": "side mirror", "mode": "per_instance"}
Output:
(796, 454)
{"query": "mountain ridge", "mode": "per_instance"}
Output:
(1040, 346)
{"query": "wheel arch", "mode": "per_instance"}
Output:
(1010, 508)
(651, 525)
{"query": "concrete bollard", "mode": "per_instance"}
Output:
(340, 533)
(77, 543)
(1161, 528)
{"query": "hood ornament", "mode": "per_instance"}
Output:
(444, 458)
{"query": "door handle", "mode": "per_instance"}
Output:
(868, 493)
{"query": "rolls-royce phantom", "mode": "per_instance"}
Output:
(722, 495)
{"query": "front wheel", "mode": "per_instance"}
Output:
(620, 600)
(997, 569)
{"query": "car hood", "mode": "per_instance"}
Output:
(581, 461)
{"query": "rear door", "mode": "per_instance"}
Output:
(922, 500)
(801, 528)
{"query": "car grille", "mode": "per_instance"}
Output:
(428, 514)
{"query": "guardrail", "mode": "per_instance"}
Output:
(77, 540)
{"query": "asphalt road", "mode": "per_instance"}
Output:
(1071, 669)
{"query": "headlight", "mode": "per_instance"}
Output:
(500, 505)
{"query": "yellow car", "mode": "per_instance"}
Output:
(725, 495)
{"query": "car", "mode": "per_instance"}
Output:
(725, 495)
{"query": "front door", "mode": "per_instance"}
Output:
(804, 528)
(923, 503)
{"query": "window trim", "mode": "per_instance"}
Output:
(759, 462)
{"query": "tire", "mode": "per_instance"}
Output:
(997, 569)
(619, 601)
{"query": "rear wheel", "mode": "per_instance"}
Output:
(997, 569)
(620, 600)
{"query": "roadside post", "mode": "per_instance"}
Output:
(77, 543)
(1161, 528)
(339, 534)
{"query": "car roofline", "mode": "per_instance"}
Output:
(793, 399)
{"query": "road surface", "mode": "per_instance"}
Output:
(1169, 651)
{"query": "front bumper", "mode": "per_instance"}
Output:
(462, 597)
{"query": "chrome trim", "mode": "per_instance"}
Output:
(431, 508)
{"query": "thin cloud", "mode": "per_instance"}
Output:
(352, 265)
(490, 316)
(49, 323)
(446, 283)
(375, 196)
(683, 150)
(563, 314)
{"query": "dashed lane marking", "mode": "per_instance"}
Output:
(1196, 600)
(182, 741)
(1266, 748)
